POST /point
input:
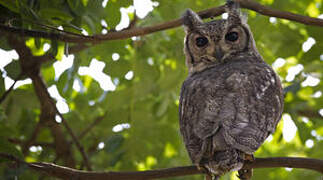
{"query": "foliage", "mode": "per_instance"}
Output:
(148, 101)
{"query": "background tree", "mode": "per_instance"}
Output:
(113, 104)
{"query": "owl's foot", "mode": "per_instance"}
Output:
(211, 177)
(202, 169)
(208, 174)
(246, 174)
(249, 157)
(224, 161)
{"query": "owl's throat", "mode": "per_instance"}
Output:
(202, 64)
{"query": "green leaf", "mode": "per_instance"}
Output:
(55, 14)
(84, 2)
(54, 47)
(12, 173)
(113, 11)
(13, 69)
(116, 158)
(10, 4)
(74, 4)
(8, 148)
(162, 108)
(4, 44)
(114, 14)
(5, 129)
(113, 143)
(60, 50)
(294, 88)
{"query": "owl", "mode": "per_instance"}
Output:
(231, 100)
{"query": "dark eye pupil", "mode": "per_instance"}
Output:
(232, 36)
(201, 41)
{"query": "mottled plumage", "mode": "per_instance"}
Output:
(231, 100)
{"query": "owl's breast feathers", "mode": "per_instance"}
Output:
(235, 105)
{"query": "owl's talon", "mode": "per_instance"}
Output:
(249, 157)
(244, 174)
(202, 169)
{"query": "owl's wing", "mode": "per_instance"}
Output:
(256, 98)
(200, 103)
(240, 105)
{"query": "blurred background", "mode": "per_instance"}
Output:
(120, 97)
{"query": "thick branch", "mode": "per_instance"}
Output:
(310, 113)
(248, 4)
(65, 173)
(40, 88)
(291, 162)
(31, 66)
(267, 11)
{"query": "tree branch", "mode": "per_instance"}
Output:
(32, 139)
(92, 125)
(66, 173)
(31, 66)
(6, 93)
(76, 141)
(267, 11)
(309, 113)
(40, 88)
(127, 33)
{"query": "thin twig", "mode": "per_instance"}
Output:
(65, 37)
(92, 125)
(6, 93)
(310, 113)
(45, 26)
(76, 141)
(32, 139)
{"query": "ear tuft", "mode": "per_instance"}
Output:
(233, 10)
(191, 20)
(244, 18)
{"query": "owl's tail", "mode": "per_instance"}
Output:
(224, 161)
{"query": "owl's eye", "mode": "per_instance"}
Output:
(232, 36)
(201, 41)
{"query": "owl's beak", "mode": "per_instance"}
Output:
(218, 54)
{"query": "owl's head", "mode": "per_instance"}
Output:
(216, 41)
